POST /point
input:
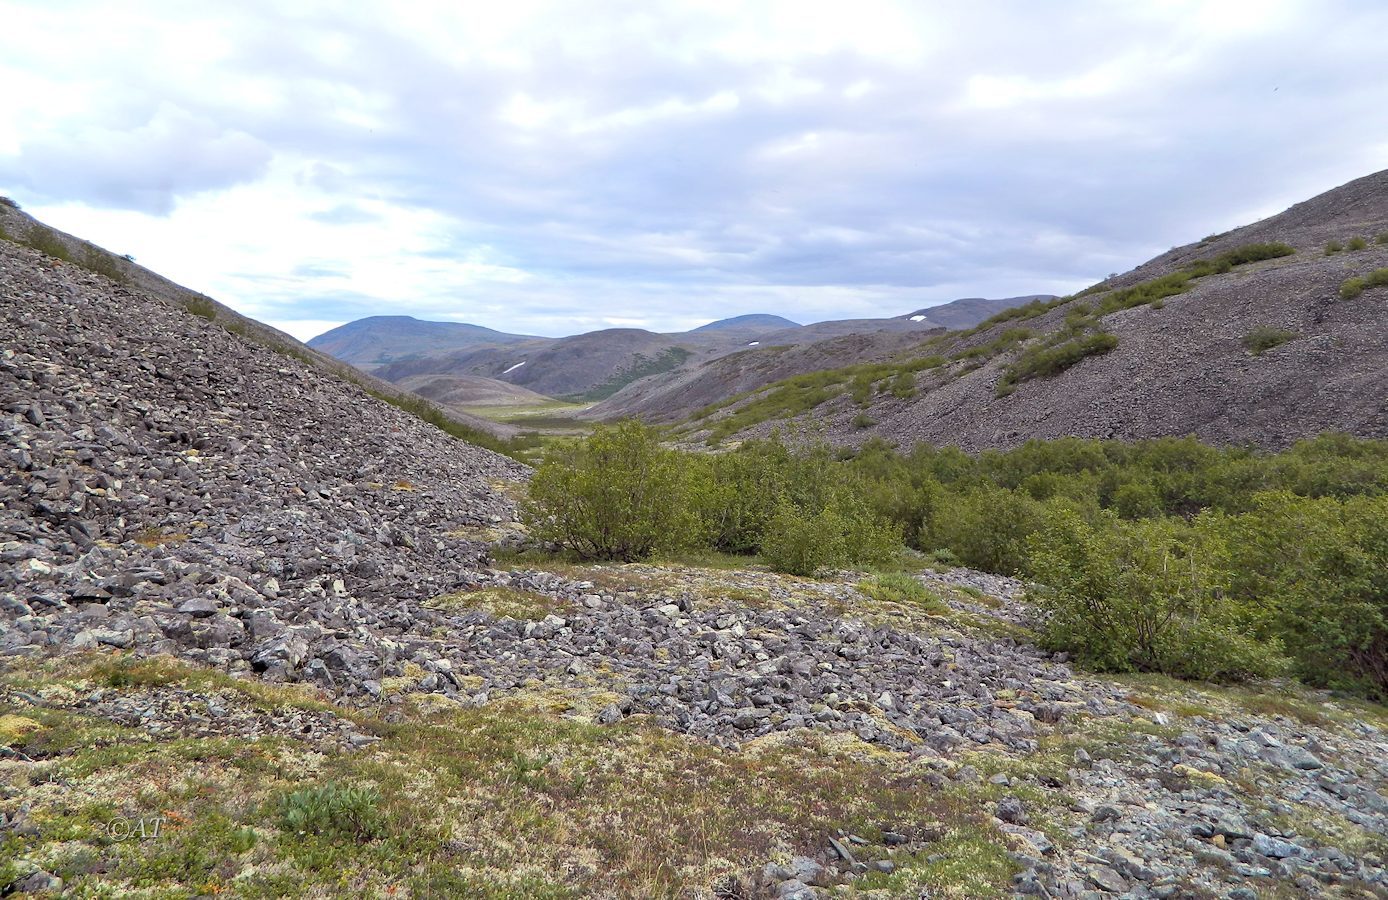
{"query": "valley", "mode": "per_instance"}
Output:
(269, 627)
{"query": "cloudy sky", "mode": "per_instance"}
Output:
(551, 168)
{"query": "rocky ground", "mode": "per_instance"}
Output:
(228, 578)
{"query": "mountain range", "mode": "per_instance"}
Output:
(595, 366)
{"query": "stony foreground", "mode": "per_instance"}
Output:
(228, 580)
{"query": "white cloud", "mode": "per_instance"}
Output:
(550, 167)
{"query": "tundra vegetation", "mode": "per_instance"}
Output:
(1165, 555)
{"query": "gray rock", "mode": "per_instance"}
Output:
(1275, 848)
(1011, 811)
(200, 606)
(1106, 879)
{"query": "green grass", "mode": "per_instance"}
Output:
(900, 587)
(1356, 243)
(511, 412)
(503, 603)
(1333, 247)
(1264, 337)
(1353, 287)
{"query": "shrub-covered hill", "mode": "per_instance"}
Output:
(1177, 346)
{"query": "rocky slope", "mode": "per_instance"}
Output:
(155, 462)
(1183, 365)
(671, 397)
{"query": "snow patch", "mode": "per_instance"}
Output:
(754, 343)
(514, 368)
(918, 318)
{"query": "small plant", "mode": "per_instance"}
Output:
(1356, 243)
(528, 770)
(1334, 247)
(904, 386)
(863, 420)
(1353, 287)
(201, 306)
(1265, 337)
(334, 811)
(6, 201)
(1382, 239)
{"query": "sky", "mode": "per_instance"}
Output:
(554, 168)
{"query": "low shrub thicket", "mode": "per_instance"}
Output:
(619, 495)
(1165, 555)
(1148, 595)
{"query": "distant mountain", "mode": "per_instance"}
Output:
(749, 322)
(377, 340)
(583, 367)
(968, 312)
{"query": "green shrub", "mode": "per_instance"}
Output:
(863, 420)
(48, 242)
(1147, 595)
(985, 527)
(201, 306)
(1137, 499)
(1265, 337)
(1382, 238)
(1322, 563)
(1353, 287)
(334, 811)
(1048, 361)
(899, 587)
(1356, 243)
(615, 495)
(800, 541)
(1333, 247)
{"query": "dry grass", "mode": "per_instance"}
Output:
(505, 801)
